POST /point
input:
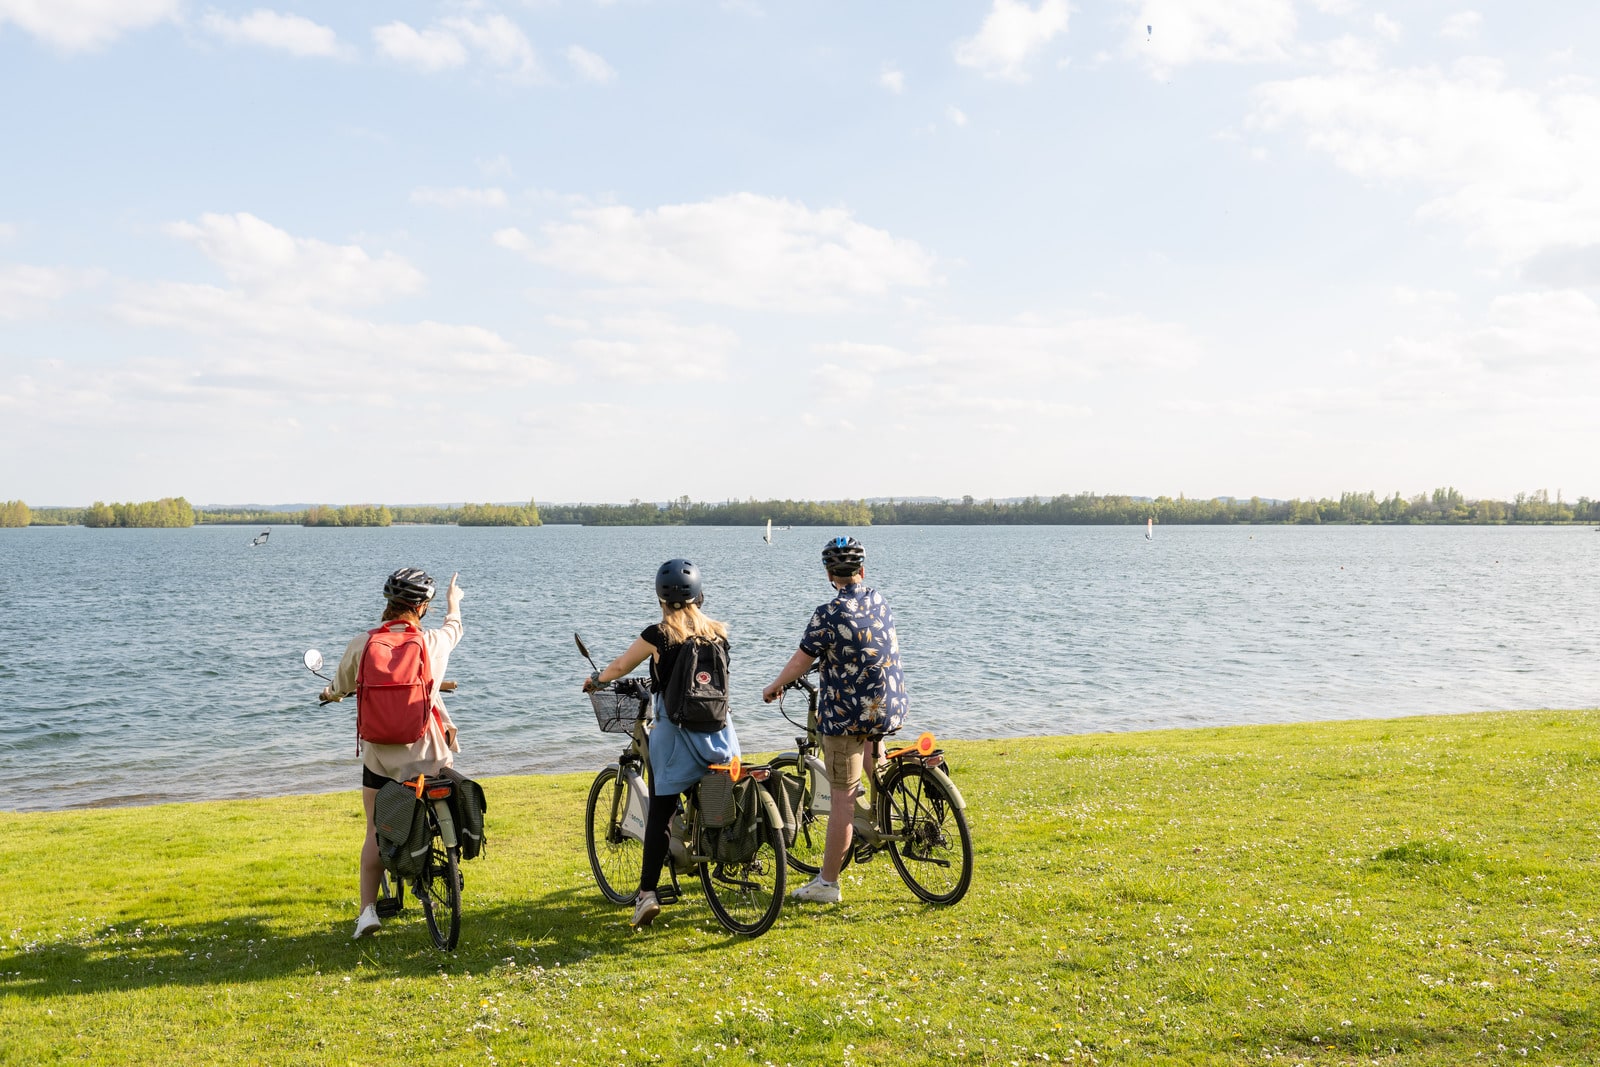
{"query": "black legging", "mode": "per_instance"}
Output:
(656, 841)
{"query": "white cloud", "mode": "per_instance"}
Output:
(990, 372)
(955, 115)
(649, 348)
(741, 250)
(496, 166)
(270, 29)
(26, 290)
(460, 196)
(590, 67)
(1386, 27)
(1214, 31)
(1011, 34)
(430, 50)
(892, 80)
(1462, 26)
(494, 39)
(80, 25)
(1518, 170)
(266, 262)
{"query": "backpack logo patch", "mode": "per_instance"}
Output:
(703, 678)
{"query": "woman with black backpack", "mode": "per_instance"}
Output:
(688, 654)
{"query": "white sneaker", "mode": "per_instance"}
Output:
(645, 910)
(367, 922)
(818, 891)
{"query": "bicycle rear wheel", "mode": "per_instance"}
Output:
(747, 896)
(614, 858)
(439, 889)
(805, 855)
(933, 847)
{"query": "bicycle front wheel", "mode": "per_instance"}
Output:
(931, 846)
(805, 855)
(439, 889)
(614, 857)
(746, 895)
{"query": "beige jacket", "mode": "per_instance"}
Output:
(434, 750)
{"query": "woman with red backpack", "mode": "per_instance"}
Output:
(403, 728)
(688, 654)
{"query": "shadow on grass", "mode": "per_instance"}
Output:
(561, 927)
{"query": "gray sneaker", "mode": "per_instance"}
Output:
(818, 891)
(645, 910)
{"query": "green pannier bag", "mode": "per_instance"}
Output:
(402, 830)
(740, 836)
(788, 793)
(467, 803)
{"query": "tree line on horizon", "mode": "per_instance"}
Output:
(1445, 505)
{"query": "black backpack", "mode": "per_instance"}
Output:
(697, 693)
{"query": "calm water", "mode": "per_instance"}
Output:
(142, 665)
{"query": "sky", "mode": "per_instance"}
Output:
(601, 250)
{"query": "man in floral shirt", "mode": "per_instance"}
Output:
(863, 693)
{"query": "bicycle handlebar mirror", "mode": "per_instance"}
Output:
(582, 651)
(312, 660)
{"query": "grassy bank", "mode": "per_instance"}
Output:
(1416, 891)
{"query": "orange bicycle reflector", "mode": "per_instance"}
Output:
(925, 743)
(734, 768)
(438, 792)
(417, 785)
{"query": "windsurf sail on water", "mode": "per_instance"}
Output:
(767, 537)
(261, 538)
(1150, 529)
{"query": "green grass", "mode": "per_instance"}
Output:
(1412, 891)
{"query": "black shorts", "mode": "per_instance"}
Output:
(371, 780)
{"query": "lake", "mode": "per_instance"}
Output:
(147, 665)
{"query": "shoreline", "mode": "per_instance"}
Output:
(1153, 734)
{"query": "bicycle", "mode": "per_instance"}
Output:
(914, 811)
(439, 883)
(743, 875)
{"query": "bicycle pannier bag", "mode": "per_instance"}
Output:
(697, 693)
(394, 686)
(738, 841)
(787, 792)
(468, 805)
(403, 839)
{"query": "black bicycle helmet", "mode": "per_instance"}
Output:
(409, 585)
(678, 583)
(843, 556)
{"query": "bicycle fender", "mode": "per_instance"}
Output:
(821, 786)
(944, 780)
(447, 823)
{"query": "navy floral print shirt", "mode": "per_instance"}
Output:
(863, 688)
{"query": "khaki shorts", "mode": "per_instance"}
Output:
(844, 757)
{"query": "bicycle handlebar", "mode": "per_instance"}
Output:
(446, 686)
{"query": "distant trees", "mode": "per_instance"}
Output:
(349, 515)
(168, 512)
(15, 513)
(499, 515)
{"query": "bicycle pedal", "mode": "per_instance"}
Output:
(666, 896)
(863, 853)
(389, 907)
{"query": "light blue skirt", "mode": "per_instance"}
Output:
(679, 757)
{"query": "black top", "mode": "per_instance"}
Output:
(665, 659)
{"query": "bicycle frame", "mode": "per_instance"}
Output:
(874, 826)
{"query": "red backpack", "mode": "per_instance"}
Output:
(394, 686)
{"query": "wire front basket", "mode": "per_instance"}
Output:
(618, 713)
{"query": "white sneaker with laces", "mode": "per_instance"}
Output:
(645, 910)
(818, 891)
(366, 922)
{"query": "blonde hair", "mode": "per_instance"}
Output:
(680, 624)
